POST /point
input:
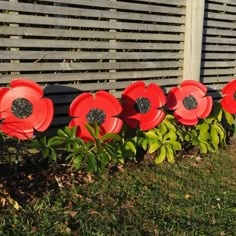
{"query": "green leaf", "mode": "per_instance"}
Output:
(104, 159)
(171, 135)
(130, 146)
(92, 162)
(68, 131)
(170, 154)
(214, 137)
(229, 118)
(77, 161)
(162, 128)
(220, 130)
(90, 130)
(151, 134)
(203, 148)
(219, 114)
(55, 141)
(73, 132)
(70, 156)
(110, 136)
(175, 144)
(110, 150)
(45, 152)
(162, 155)
(170, 126)
(61, 133)
(144, 144)
(53, 154)
(154, 147)
(202, 127)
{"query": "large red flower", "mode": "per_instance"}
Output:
(102, 108)
(141, 105)
(189, 102)
(23, 109)
(228, 101)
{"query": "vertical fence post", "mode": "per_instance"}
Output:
(194, 23)
(14, 37)
(112, 50)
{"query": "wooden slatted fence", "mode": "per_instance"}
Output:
(71, 46)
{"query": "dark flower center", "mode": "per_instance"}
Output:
(235, 96)
(190, 102)
(96, 115)
(21, 108)
(142, 105)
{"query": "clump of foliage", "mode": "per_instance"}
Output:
(164, 142)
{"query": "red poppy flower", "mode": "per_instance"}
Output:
(102, 108)
(189, 102)
(23, 109)
(141, 105)
(228, 101)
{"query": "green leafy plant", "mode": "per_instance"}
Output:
(164, 141)
(93, 155)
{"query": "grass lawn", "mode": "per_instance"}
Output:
(191, 197)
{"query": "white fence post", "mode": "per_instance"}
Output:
(194, 23)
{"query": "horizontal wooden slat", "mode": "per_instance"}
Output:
(63, 77)
(231, 2)
(123, 6)
(220, 24)
(216, 64)
(218, 71)
(217, 79)
(80, 12)
(68, 33)
(219, 48)
(223, 8)
(220, 56)
(41, 43)
(56, 91)
(87, 66)
(59, 21)
(219, 32)
(219, 40)
(174, 3)
(93, 55)
(220, 16)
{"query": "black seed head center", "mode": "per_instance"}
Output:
(21, 108)
(96, 115)
(142, 105)
(235, 96)
(190, 102)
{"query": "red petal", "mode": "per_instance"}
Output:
(185, 113)
(82, 132)
(197, 85)
(173, 97)
(129, 115)
(204, 107)
(81, 105)
(26, 88)
(134, 90)
(151, 119)
(229, 104)
(112, 125)
(17, 128)
(156, 96)
(186, 121)
(229, 88)
(5, 104)
(132, 121)
(42, 114)
(24, 83)
(108, 103)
